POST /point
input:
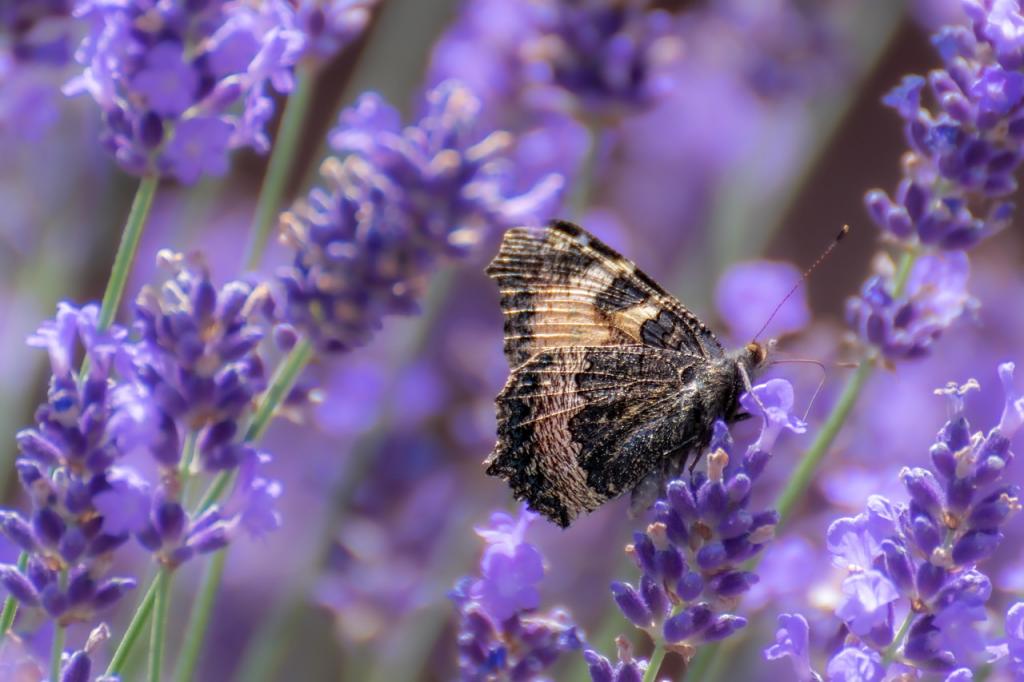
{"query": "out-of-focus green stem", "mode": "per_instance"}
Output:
(158, 634)
(901, 634)
(126, 249)
(800, 480)
(280, 166)
(134, 629)
(654, 663)
(199, 620)
(280, 385)
(57, 650)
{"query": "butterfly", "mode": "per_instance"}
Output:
(613, 383)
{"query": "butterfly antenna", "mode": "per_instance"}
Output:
(803, 278)
(821, 384)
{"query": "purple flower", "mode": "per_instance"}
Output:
(510, 569)
(692, 556)
(606, 58)
(792, 642)
(500, 632)
(867, 610)
(905, 326)
(402, 198)
(748, 293)
(328, 26)
(922, 556)
(627, 669)
(855, 664)
(966, 145)
(65, 464)
(180, 85)
(37, 32)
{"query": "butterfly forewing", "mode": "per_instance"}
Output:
(560, 286)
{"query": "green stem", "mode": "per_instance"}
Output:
(134, 629)
(801, 478)
(158, 633)
(126, 249)
(279, 169)
(188, 454)
(11, 604)
(654, 663)
(583, 188)
(280, 385)
(901, 634)
(57, 651)
(199, 620)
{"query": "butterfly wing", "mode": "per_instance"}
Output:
(578, 426)
(561, 286)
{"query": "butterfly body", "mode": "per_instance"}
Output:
(612, 382)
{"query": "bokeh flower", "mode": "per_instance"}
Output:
(181, 85)
(401, 200)
(501, 634)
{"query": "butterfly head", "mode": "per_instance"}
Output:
(757, 353)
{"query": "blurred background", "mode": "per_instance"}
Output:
(763, 150)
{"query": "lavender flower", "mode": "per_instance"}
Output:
(180, 85)
(919, 560)
(365, 242)
(196, 374)
(957, 177)
(37, 31)
(905, 326)
(691, 557)
(499, 633)
(607, 58)
(792, 641)
(328, 26)
(966, 149)
(628, 669)
(65, 463)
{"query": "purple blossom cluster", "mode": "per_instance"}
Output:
(693, 556)
(67, 462)
(594, 58)
(328, 26)
(181, 84)
(918, 561)
(501, 633)
(175, 391)
(401, 199)
(35, 43)
(958, 176)
(37, 31)
(607, 58)
(966, 150)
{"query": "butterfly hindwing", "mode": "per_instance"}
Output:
(561, 286)
(578, 426)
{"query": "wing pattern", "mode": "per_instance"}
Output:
(561, 286)
(579, 426)
(612, 378)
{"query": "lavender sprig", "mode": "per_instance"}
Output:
(399, 201)
(501, 633)
(180, 85)
(692, 557)
(919, 561)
